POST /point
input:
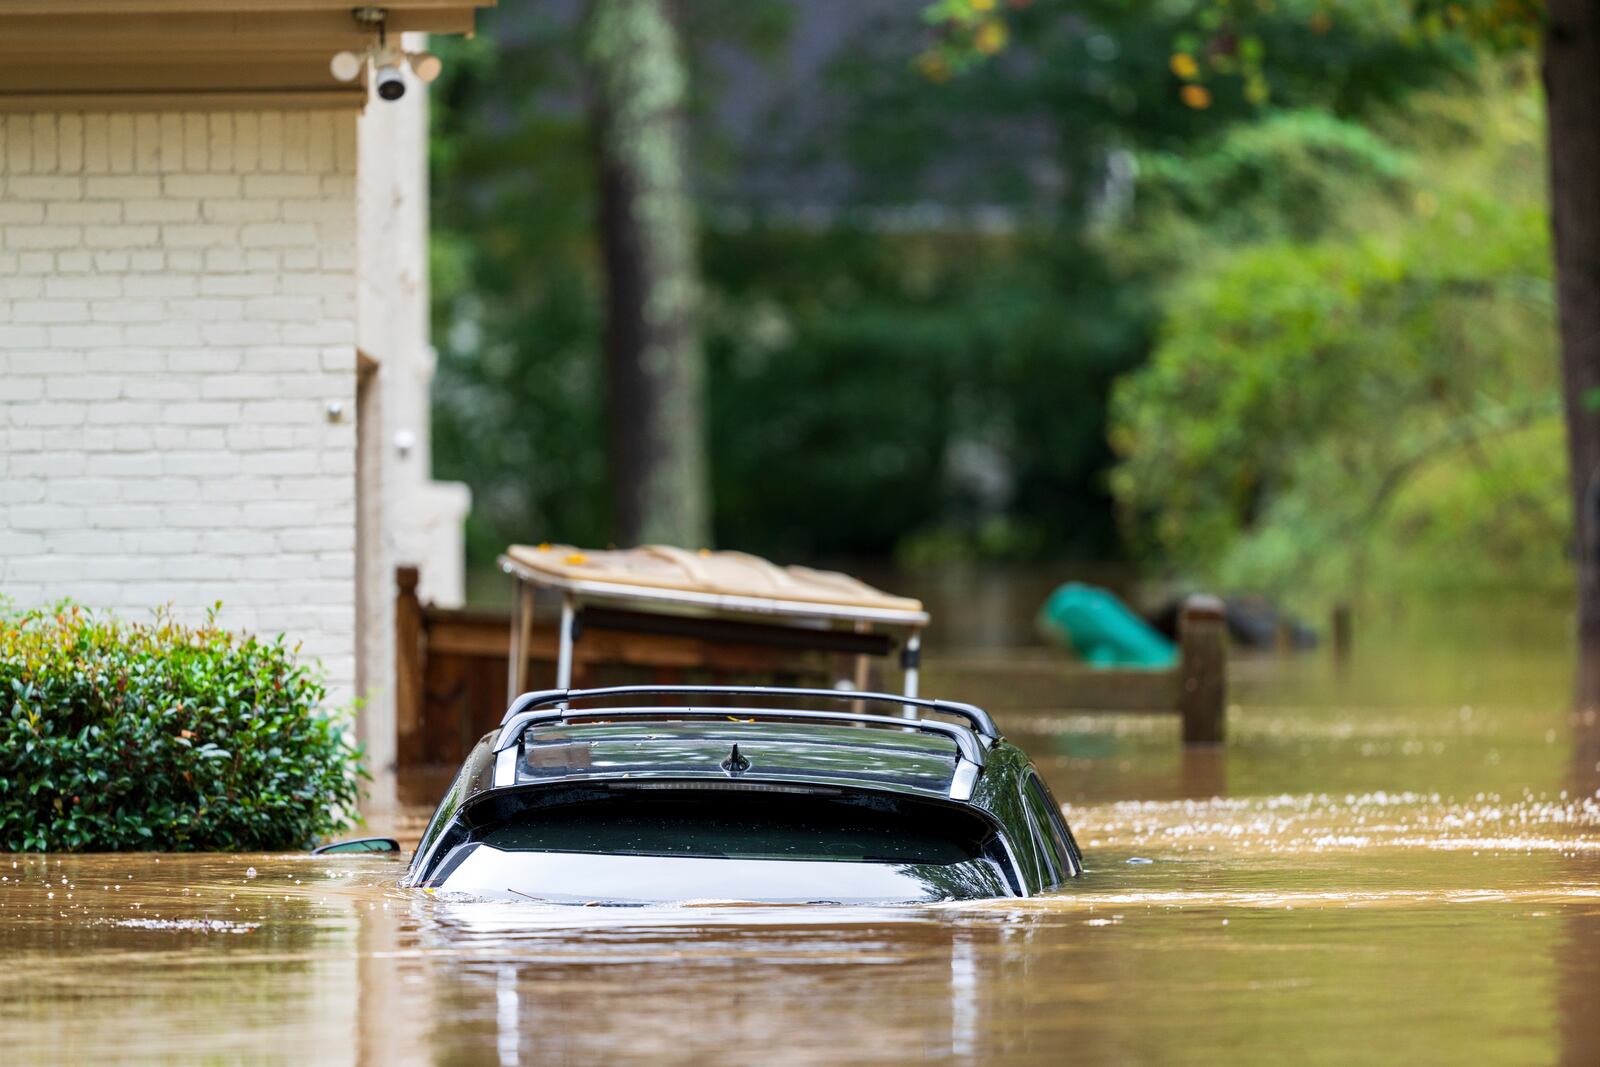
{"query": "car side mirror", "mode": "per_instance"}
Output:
(358, 844)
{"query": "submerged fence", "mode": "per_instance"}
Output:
(451, 668)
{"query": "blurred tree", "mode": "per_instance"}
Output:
(1315, 375)
(655, 371)
(1230, 46)
(915, 300)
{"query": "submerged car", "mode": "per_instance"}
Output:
(653, 794)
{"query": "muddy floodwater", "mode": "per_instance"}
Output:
(1397, 863)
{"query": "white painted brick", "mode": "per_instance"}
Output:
(167, 335)
(96, 144)
(201, 186)
(85, 491)
(51, 414)
(201, 414)
(159, 490)
(41, 517)
(164, 387)
(171, 209)
(246, 141)
(120, 147)
(297, 464)
(88, 438)
(69, 143)
(211, 360)
(176, 310)
(265, 209)
(282, 187)
(49, 311)
(133, 439)
(201, 516)
(209, 464)
(283, 309)
(44, 143)
(19, 143)
(52, 188)
(122, 187)
(147, 143)
(49, 464)
(90, 288)
(24, 360)
(286, 360)
(153, 287)
(199, 235)
(13, 388)
(239, 333)
(125, 465)
(43, 236)
(122, 412)
(240, 387)
(83, 387)
(121, 236)
(128, 311)
(277, 235)
(27, 491)
(127, 517)
(269, 151)
(221, 146)
(13, 212)
(196, 142)
(83, 211)
(22, 440)
(84, 336)
(238, 284)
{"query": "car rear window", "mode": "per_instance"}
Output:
(737, 825)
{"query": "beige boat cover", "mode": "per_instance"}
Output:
(718, 573)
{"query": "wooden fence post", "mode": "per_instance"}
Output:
(1341, 632)
(409, 636)
(1203, 670)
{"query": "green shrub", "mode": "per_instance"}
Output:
(161, 736)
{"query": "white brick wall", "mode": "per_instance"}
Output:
(177, 312)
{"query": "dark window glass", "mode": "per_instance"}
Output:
(743, 826)
(1050, 827)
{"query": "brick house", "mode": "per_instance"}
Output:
(214, 358)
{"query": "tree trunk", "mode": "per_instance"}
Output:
(655, 367)
(1572, 90)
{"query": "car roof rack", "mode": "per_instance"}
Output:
(554, 705)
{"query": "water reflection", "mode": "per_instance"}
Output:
(1396, 865)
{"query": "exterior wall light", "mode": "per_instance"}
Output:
(387, 61)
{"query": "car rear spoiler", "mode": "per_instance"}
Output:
(974, 715)
(554, 705)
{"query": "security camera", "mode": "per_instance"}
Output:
(391, 82)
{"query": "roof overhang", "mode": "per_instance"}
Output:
(195, 54)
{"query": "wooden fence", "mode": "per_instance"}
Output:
(451, 667)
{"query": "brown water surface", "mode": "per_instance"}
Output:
(1395, 864)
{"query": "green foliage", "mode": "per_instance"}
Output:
(160, 736)
(881, 378)
(931, 393)
(1290, 175)
(1379, 398)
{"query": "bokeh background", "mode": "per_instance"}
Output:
(1251, 296)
